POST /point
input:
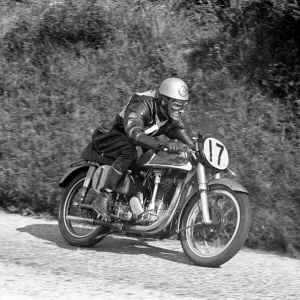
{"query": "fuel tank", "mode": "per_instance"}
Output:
(165, 160)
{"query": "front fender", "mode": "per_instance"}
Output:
(235, 186)
(73, 170)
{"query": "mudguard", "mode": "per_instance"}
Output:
(235, 186)
(74, 169)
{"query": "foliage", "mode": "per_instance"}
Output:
(67, 66)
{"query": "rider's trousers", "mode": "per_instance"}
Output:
(116, 145)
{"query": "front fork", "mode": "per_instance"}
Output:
(202, 187)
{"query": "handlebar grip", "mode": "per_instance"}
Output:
(163, 148)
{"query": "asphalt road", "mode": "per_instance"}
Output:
(36, 263)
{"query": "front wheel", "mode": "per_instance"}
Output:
(214, 244)
(77, 233)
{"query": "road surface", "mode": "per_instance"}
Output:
(36, 263)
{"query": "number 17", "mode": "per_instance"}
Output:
(211, 151)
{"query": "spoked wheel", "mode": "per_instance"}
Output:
(75, 231)
(214, 244)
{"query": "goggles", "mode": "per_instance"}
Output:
(176, 104)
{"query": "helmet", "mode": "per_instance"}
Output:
(174, 88)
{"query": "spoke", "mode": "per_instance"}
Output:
(217, 244)
(227, 235)
(213, 244)
(207, 246)
(198, 236)
(229, 211)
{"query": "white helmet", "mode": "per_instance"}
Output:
(174, 88)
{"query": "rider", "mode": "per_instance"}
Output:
(145, 116)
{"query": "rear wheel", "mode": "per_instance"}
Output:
(213, 245)
(74, 232)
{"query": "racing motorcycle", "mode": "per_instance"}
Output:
(210, 213)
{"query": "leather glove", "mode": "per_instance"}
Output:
(176, 147)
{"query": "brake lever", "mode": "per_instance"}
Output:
(192, 153)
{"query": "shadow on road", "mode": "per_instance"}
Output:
(111, 244)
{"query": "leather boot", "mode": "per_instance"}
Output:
(100, 204)
(110, 184)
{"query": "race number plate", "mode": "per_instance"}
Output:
(99, 177)
(215, 153)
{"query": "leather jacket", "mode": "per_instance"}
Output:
(142, 120)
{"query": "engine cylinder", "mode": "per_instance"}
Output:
(165, 185)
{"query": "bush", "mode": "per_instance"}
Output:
(44, 27)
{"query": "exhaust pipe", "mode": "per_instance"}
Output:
(116, 226)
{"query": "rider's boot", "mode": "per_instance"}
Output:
(101, 202)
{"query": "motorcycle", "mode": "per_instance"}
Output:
(212, 217)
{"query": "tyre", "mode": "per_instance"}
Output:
(213, 245)
(76, 233)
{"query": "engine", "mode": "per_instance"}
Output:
(143, 198)
(121, 210)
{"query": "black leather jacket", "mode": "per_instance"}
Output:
(142, 120)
